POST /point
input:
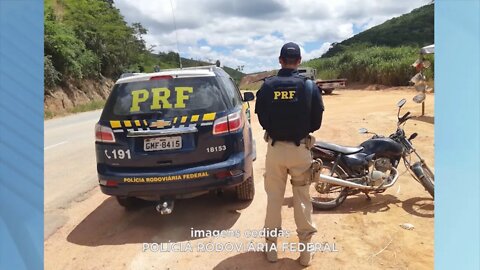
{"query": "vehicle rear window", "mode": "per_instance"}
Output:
(231, 91)
(165, 98)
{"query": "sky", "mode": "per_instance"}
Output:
(250, 33)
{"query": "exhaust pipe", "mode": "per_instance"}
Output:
(339, 182)
(166, 207)
(344, 183)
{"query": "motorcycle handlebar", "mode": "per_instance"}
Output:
(413, 136)
(404, 118)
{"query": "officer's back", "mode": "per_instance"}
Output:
(289, 107)
(286, 109)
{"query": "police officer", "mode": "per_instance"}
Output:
(289, 107)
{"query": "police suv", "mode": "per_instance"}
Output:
(175, 133)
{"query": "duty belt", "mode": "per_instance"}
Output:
(307, 141)
(302, 141)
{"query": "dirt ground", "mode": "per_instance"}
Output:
(99, 234)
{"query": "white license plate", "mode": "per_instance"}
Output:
(162, 143)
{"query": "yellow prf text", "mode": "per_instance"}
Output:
(284, 94)
(160, 98)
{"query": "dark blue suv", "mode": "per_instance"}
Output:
(175, 134)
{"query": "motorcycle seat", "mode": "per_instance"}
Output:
(338, 148)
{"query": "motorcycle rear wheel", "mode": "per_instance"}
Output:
(321, 199)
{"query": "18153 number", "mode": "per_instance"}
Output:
(214, 149)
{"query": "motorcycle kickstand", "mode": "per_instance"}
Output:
(368, 197)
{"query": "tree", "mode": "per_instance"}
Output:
(65, 53)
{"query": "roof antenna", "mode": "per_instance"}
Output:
(176, 35)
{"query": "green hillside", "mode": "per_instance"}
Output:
(413, 29)
(89, 39)
(382, 54)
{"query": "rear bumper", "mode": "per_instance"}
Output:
(168, 182)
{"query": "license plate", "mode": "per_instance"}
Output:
(162, 143)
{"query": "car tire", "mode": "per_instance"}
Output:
(246, 190)
(328, 91)
(129, 203)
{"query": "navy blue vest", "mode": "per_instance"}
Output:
(288, 117)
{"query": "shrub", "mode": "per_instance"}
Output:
(50, 74)
(375, 65)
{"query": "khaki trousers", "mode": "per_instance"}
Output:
(283, 159)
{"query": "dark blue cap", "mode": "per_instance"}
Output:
(290, 50)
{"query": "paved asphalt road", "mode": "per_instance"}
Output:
(70, 168)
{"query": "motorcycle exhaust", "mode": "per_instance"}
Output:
(344, 183)
(165, 208)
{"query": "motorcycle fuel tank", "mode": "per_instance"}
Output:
(382, 147)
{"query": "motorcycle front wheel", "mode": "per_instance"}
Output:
(425, 176)
(327, 196)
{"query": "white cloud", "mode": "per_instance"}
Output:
(315, 53)
(251, 33)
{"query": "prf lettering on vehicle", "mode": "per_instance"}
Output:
(160, 98)
(287, 94)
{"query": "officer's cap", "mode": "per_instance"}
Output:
(290, 50)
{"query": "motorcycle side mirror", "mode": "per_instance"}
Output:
(362, 130)
(413, 136)
(401, 103)
(419, 98)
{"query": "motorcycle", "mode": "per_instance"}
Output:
(368, 168)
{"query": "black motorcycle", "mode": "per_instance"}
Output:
(368, 168)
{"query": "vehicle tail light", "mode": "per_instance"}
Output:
(225, 174)
(220, 126)
(104, 134)
(164, 77)
(109, 183)
(228, 124)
